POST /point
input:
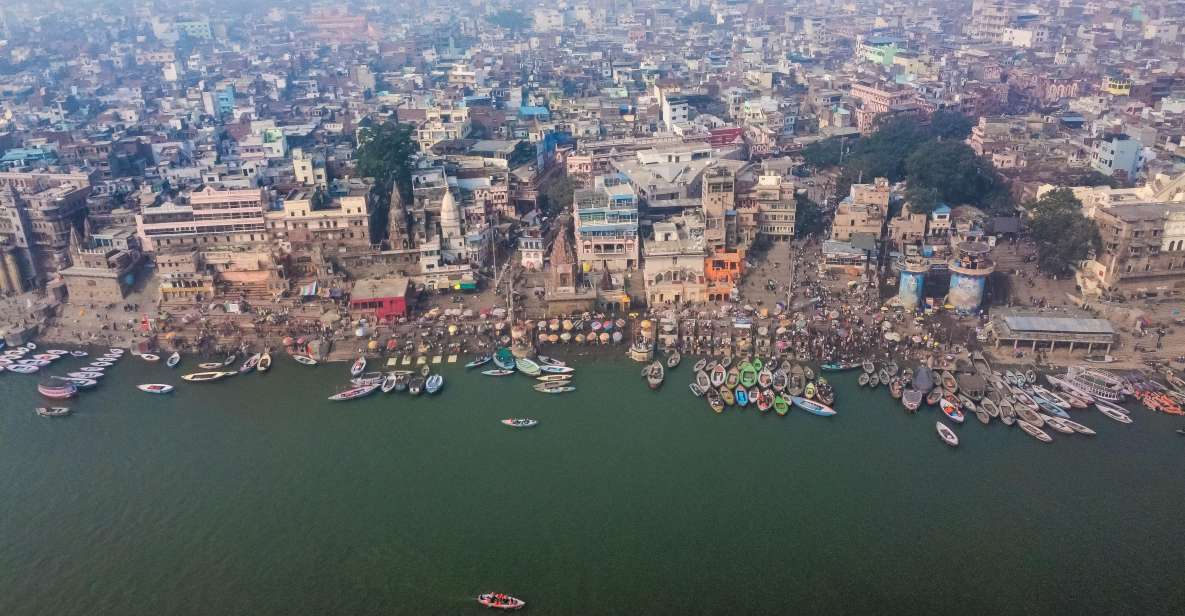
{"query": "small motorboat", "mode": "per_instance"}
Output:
(1057, 424)
(779, 380)
(207, 377)
(703, 380)
(874, 381)
(85, 374)
(149, 357)
(673, 359)
(1108, 411)
(527, 367)
(155, 388)
(726, 396)
(868, 366)
(934, 396)
(951, 410)
(696, 390)
(251, 363)
(947, 435)
(101, 364)
(402, 380)
(714, 400)
(173, 360)
(990, 407)
(425, 370)
(896, 388)
(809, 391)
(93, 368)
(355, 392)
(388, 384)
(781, 406)
(497, 372)
(22, 368)
(230, 359)
(810, 406)
(839, 366)
(1030, 376)
(520, 423)
(40, 363)
(416, 385)
(499, 601)
(550, 369)
(1079, 428)
(504, 359)
(765, 378)
(553, 388)
(79, 383)
(883, 375)
(78, 353)
(115, 351)
(210, 365)
(52, 411)
(479, 361)
(304, 359)
(50, 357)
(554, 378)
(433, 384)
(265, 362)
(57, 391)
(700, 364)
(741, 395)
(949, 383)
(655, 375)
(369, 378)
(765, 401)
(358, 367)
(1034, 431)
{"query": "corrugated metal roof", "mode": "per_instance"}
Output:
(1067, 325)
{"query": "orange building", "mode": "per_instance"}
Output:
(723, 271)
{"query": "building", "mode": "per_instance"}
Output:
(333, 220)
(673, 268)
(1143, 250)
(38, 223)
(718, 197)
(212, 216)
(104, 267)
(530, 249)
(777, 207)
(863, 211)
(1118, 155)
(1039, 330)
(382, 299)
(606, 226)
(442, 125)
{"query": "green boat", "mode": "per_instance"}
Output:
(780, 405)
(757, 364)
(748, 374)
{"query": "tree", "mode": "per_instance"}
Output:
(385, 153)
(947, 124)
(524, 152)
(557, 195)
(922, 199)
(1064, 237)
(824, 153)
(954, 170)
(808, 217)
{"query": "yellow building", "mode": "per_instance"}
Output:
(1117, 85)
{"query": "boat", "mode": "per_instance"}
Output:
(56, 391)
(655, 374)
(726, 396)
(100, 364)
(206, 377)
(210, 365)
(983, 416)
(21, 368)
(781, 406)
(52, 411)
(1056, 424)
(700, 364)
(839, 367)
(479, 361)
(93, 368)
(1030, 376)
(863, 379)
(1034, 431)
(824, 392)
(526, 366)
(810, 406)
(718, 376)
(765, 378)
(504, 359)
(673, 359)
(554, 378)
(552, 369)
(714, 400)
(251, 363)
(544, 360)
(779, 380)
(149, 357)
(115, 351)
(947, 435)
(520, 423)
(304, 359)
(911, 399)
(173, 360)
(358, 367)
(265, 362)
(726, 361)
(416, 385)
(85, 374)
(155, 388)
(388, 384)
(1113, 411)
(40, 363)
(869, 366)
(230, 359)
(425, 370)
(934, 396)
(49, 357)
(355, 392)
(742, 397)
(1052, 408)
(78, 353)
(883, 375)
(1079, 428)
(797, 380)
(703, 380)
(948, 382)
(1030, 416)
(499, 601)
(554, 388)
(809, 390)
(896, 389)
(966, 403)
(990, 407)
(874, 381)
(433, 384)
(31, 346)
(747, 375)
(950, 410)
(79, 383)
(733, 379)
(497, 372)
(696, 390)
(766, 400)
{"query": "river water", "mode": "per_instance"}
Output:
(257, 496)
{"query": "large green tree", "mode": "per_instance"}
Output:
(947, 124)
(954, 171)
(1064, 237)
(557, 195)
(385, 153)
(808, 217)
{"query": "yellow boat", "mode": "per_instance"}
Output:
(726, 396)
(809, 392)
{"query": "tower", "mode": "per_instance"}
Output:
(969, 269)
(452, 237)
(397, 232)
(562, 275)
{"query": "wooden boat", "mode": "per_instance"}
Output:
(1034, 431)
(726, 396)
(655, 375)
(839, 366)
(499, 601)
(765, 378)
(766, 400)
(265, 362)
(747, 375)
(1024, 399)
(812, 407)
(934, 396)
(1051, 397)
(696, 390)
(85, 374)
(741, 395)
(79, 383)
(779, 380)
(402, 379)
(149, 357)
(355, 392)
(700, 364)
(758, 365)
(544, 360)
(478, 361)
(554, 378)
(497, 372)
(206, 377)
(809, 391)
(416, 385)
(526, 366)
(869, 366)
(1030, 376)
(230, 359)
(1030, 416)
(673, 359)
(874, 381)
(911, 399)
(896, 389)
(949, 382)
(714, 400)
(966, 403)
(52, 411)
(1052, 408)
(906, 374)
(733, 378)
(425, 370)
(797, 380)
(173, 360)
(950, 410)
(982, 416)
(883, 374)
(251, 363)
(824, 392)
(433, 384)
(305, 359)
(1056, 424)
(504, 359)
(358, 367)
(550, 369)
(863, 379)
(210, 365)
(726, 361)
(155, 388)
(57, 391)
(718, 376)
(520, 423)
(990, 407)
(703, 380)
(388, 384)
(781, 406)
(947, 435)
(1079, 428)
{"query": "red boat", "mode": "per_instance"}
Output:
(499, 601)
(57, 392)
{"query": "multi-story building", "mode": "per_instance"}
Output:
(37, 224)
(862, 211)
(211, 217)
(1118, 155)
(718, 197)
(777, 207)
(332, 220)
(875, 101)
(674, 261)
(1143, 249)
(606, 225)
(442, 124)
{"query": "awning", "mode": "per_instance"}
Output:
(308, 289)
(464, 286)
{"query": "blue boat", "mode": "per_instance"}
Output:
(810, 406)
(833, 367)
(504, 359)
(1050, 407)
(741, 396)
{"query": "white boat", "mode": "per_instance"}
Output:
(214, 365)
(550, 361)
(355, 392)
(388, 383)
(173, 360)
(358, 367)
(1121, 417)
(93, 368)
(52, 411)
(1079, 428)
(149, 357)
(497, 372)
(527, 366)
(947, 435)
(305, 359)
(40, 363)
(85, 375)
(550, 369)
(155, 388)
(207, 377)
(433, 384)
(115, 351)
(101, 364)
(1034, 431)
(79, 383)
(78, 353)
(1056, 424)
(520, 423)
(265, 362)
(57, 352)
(251, 363)
(22, 368)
